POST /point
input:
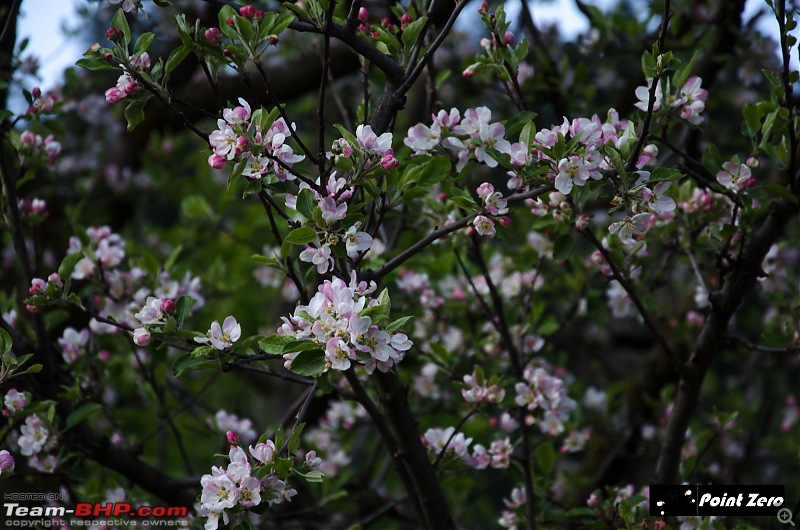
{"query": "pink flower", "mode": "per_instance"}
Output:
(321, 257)
(389, 162)
(338, 353)
(6, 462)
(657, 200)
(141, 337)
(356, 241)
(72, 343)
(263, 452)
(14, 400)
(735, 176)
(237, 115)
(222, 337)
(114, 95)
(372, 143)
(484, 226)
(332, 212)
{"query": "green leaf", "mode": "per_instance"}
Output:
(93, 63)
(183, 309)
(189, 362)
(412, 31)
(301, 236)
(309, 362)
(306, 203)
(68, 264)
(429, 172)
(121, 23)
(682, 73)
(312, 476)
(546, 457)
(581, 512)
(780, 191)
(134, 113)
(625, 511)
(176, 57)
(5, 342)
(244, 27)
(294, 440)
(347, 135)
(264, 260)
(398, 324)
(81, 413)
(282, 23)
(196, 207)
(142, 43)
(224, 14)
(274, 344)
(563, 247)
(712, 160)
(253, 187)
(173, 256)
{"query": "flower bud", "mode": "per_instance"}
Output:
(6, 462)
(36, 92)
(28, 139)
(470, 231)
(443, 197)
(54, 278)
(131, 88)
(484, 7)
(505, 220)
(141, 337)
(247, 11)
(387, 24)
(405, 20)
(213, 35)
(273, 40)
(6, 412)
(31, 308)
(216, 161)
(37, 285)
(232, 437)
(508, 38)
(582, 222)
(363, 14)
(227, 53)
(229, 21)
(107, 57)
(593, 501)
(169, 306)
(389, 162)
(94, 48)
(753, 162)
(258, 15)
(103, 355)
(468, 72)
(114, 34)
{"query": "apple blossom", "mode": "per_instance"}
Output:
(15, 400)
(6, 462)
(222, 337)
(484, 226)
(34, 435)
(141, 337)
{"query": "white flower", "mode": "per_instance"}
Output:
(224, 336)
(356, 241)
(219, 492)
(34, 435)
(484, 226)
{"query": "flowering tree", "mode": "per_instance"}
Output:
(392, 296)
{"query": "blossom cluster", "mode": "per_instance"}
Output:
(333, 208)
(35, 439)
(689, 100)
(544, 392)
(476, 389)
(246, 482)
(447, 441)
(242, 136)
(343, 320)
(126, 83)
(34, 148)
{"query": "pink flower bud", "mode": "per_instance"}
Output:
(242, 141)
(468, 72)
(36, 92)
(273, 39)
(247, 11)
(508, 38)
(94, 48)
(28, 139)
(114, 95)
(141, 337)
(363, 14)
(389, 162)
(103, 355)
(405, 20)
(753, 162)
(114, 34)
(6, 462)
(484, 7)
(470, 231)
(55, 278)
(749, 182)
(505, 220)
(107, 57)
(227, 53)
(387, 24)
(169, 306)
(229, 21)
(213, 35)
(216, 161)
(258, 15)
(6, 413)
(31, 308)
(582, 222)
(443, 197)
(131, 88)
(37, 285)
(232, 437)
(593, 501)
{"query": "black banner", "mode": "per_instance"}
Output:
(702, 500)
